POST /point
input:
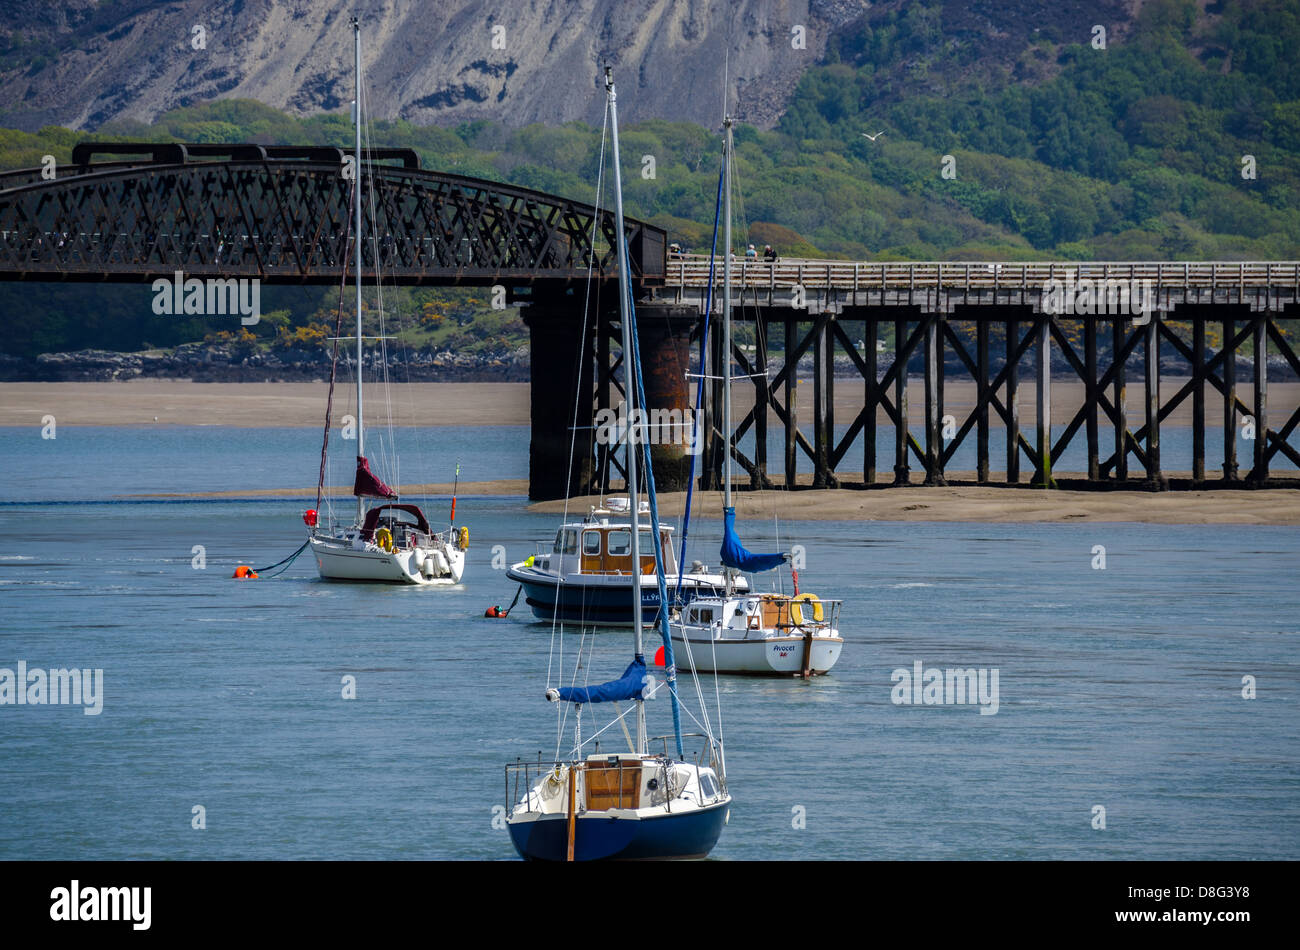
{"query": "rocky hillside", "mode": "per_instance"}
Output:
(82, 63)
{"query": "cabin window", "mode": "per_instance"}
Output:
(706, 785)
(619, 543)
(566, 542)
(591, 543)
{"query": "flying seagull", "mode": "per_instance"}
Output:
(872, 137)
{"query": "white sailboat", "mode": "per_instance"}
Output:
(392, 542)
(634, 804)
(739, 631)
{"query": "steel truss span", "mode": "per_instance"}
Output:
(281, 215)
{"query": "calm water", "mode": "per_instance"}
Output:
(1119, 688)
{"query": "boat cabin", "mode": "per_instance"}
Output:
(604, 548)
(406, 525)
(762, 612)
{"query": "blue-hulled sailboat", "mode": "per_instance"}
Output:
(635, 804)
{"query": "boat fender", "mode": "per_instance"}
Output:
(384, 540)
(796, 609)
(418, 557)
(462, 540)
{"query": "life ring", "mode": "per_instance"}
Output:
(384, 540)
(796, 611)
(462, 541)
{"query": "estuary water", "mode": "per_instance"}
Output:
(1119, 687)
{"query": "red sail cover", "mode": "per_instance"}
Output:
(367, 484)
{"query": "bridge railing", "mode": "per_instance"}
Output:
(689, 270)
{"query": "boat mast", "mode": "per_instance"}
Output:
(356, 195)
(726, 330)
(629, 387)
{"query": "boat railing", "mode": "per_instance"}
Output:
(707, 750)
(529, 772)
(830, 615)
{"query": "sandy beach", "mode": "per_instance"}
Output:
(499, 486)
(144, 402)
(181, 402)
(985, 504)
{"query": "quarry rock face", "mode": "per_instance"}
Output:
(430, 63)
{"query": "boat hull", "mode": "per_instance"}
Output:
(607, 602)
(771, 656)
(600, 837)
(337, 562)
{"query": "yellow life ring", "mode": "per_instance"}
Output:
(463, 540)
(384, 539)
(796, 610)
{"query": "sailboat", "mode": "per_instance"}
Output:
(634, 804)
(391, 542)
(739, 631)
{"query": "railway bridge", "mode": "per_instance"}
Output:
(824, 348)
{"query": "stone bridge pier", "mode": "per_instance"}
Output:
(577, 391)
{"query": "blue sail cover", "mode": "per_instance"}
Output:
(627, 686)
(733, 553)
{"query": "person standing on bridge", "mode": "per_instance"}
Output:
(769, 254)
(750, 253)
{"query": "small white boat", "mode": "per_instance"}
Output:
(394, 544)
(761, 634)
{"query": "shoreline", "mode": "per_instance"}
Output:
(952, 504)
(979, 504)
(500, 487)
(167, 402)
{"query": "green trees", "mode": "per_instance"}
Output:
(1131, 152)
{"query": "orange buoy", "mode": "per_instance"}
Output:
(494, 611)
(245, 573)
